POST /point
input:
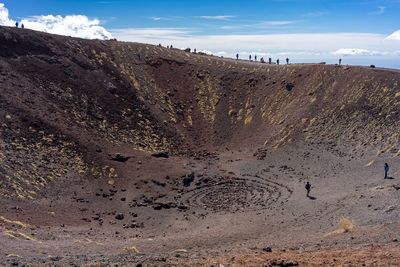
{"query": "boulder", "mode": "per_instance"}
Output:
(161, 154)
(267, 249)
(188, 179)
(119, 216)
(120, 158)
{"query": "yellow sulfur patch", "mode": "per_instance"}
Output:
(131, 250)
(370, 163)
(21, 224)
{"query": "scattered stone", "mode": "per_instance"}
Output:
(289, 86)
(120, 158)
(390, 209)
(119, 216)
(284, 263)
(157, 207)
(161, 154)
(267, 249)
(183, 207)
(188, 179)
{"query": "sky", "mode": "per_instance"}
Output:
(361, 32)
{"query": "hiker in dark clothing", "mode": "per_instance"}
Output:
(308, 188)
(22, 26)
(255, 58)
(287, 61)
(16, 24)
(386, 168)
(277, 61)
(237, 56)
(250, 57)
(270, 61)
(340, 61)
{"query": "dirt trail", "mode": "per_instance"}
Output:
(117, 153)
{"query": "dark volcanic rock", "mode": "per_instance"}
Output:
(284, 263)
(267, 249)
(188, 179)
(120, 158)
(119, 216)
(161, 154)
(289, 86)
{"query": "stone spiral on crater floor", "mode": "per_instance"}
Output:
(232, 194)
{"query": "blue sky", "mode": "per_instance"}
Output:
(307, 30)
(378, 16)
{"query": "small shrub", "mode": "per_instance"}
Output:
(131, 250)
(346, 224)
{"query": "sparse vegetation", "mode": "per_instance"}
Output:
(131, 250)
(346, 224)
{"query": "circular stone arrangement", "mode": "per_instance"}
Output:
(231, 194)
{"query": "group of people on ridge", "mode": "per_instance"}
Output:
(262, 59)
(17, 25)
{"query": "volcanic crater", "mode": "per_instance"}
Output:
(124, 154)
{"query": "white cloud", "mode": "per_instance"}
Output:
(317, 42)
(358, 52)
(153, 35)
(156, 18)
(273, 23)
(73, 25)
(165, 18)
(380, 10)
(4, 17)
(315, 14)
(220, 17)
(394, 36)
(304, 47)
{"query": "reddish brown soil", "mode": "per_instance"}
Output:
(242, 139)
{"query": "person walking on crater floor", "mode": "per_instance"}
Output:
(308, 188)
(386, 168)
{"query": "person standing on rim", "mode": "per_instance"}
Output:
(386, 168)
(237, 56)
(308, 188)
